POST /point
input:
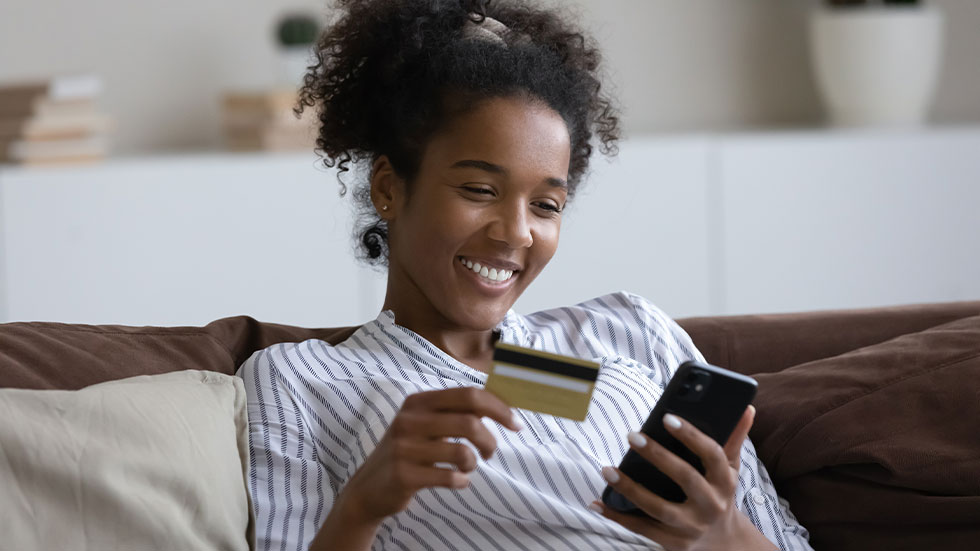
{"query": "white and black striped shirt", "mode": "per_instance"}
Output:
(317, 411)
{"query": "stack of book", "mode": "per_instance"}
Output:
(52, 121)
(264, 121)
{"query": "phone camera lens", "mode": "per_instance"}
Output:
(685, 388)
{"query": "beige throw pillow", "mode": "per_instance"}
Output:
(145, 463)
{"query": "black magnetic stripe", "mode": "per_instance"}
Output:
(545, 364)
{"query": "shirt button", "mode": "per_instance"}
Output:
(757, 496)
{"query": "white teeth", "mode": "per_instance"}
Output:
(492, 274)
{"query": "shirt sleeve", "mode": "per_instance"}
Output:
(292, 491)
(755, 494)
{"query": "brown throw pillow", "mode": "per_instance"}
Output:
(47, 355)
(879, 448)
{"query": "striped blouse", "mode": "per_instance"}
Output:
(317, 411)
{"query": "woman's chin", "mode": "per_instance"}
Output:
(483, 317)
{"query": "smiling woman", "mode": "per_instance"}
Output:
(488, 195)
(477, 122)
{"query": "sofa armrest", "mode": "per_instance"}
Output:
(767, 343)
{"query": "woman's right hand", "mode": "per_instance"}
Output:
(405, 459)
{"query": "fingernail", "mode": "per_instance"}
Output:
(671, 421)
(595, 507)
(610, 475)
(636, 439)
(752, 409)
(516, 424)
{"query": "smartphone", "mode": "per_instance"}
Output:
(709, 397)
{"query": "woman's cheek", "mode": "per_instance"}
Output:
(549, 233)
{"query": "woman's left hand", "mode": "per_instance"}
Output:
(708, 519)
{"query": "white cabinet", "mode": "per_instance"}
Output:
(860, 219)
(700, 225)
(180, 240)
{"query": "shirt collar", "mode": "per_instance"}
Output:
(513, 330)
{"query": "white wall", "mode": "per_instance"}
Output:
(677, 65)
(730, 64)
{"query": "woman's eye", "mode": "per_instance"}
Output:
(550, 207)
(480, 190)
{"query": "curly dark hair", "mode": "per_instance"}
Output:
(391, 73)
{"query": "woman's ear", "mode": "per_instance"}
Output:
(387, 188)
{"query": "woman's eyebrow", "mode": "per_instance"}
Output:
(557, 182)
(482, 165)
(497, 169)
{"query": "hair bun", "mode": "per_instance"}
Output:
(475, 7)
(486, 28)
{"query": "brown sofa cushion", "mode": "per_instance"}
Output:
(766, 343)
(879, 448)
(71, 356)
(42, 355)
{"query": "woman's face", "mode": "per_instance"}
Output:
(483, 215)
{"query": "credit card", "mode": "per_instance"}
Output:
(542, 381)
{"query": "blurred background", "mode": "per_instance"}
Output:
(168, 183)
(677, 65)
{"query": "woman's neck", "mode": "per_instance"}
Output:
(473, 347)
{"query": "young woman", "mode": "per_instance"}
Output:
(476, 122)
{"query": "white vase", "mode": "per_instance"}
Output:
(877, 66)
(293, 62)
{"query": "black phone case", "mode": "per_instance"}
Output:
(715, 410)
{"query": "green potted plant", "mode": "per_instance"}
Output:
(876, 62)
(296, 34)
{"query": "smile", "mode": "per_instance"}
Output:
(491, 274)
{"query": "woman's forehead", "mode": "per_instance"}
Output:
(505, 132)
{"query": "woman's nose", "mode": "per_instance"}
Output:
(512, 226)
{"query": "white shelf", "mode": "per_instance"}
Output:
(700, 224)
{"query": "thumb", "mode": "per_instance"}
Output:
(733, 448)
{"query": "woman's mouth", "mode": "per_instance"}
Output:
(490, 274)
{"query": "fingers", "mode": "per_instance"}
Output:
(429, 453)
(733, 448)
(711, 453)
(427, 418)
(465, 400)
(650, 503)
(415, 477)
(705, 490)
(686, 476)
(429, 426)
(709, 496)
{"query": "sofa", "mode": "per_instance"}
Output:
(868, 422)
